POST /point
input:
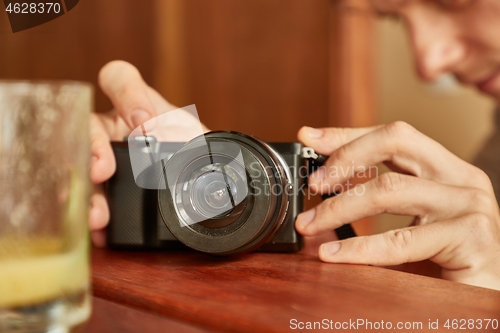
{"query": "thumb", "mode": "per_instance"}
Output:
(438, 241)
(327, 140)
(126, 89)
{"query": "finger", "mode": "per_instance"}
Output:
(394, 193)
(407, 149)
(441, 242)
(128, 92)
(312, 244)
(327, 140)
(99, 211)
(103, 164)
(99, 238)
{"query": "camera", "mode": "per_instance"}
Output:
(221, 193)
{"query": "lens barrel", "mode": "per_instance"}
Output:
(226, 193)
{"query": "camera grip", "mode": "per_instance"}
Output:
(345, 231)
(131, 207)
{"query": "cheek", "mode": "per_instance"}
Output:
(483, 26)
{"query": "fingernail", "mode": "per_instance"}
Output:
(304, 219)
(139, 117)
(314, 133)
(329, 249)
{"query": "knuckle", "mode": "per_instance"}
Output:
(482, 201)
(400, 240)
(479, 178)
(389, 183)
(341, 134)
(399, 129)
(482, 231)
(331, 205)
(342, 154)
(325, 212)
(396, 133)
(119, 79)
(479, 221)
(125, 92)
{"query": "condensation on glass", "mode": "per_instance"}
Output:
(44, 203)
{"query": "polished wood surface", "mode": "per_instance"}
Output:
(263, 292)
(110, 317)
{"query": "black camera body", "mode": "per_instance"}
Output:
(142, 218)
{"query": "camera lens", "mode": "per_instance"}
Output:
(226, 193)
(213, 194)
(209, 188)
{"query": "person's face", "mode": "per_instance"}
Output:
(461, 37)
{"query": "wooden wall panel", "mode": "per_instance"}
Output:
(263, 67)
(267, 67)
(76, 45)
(352, 64)
(259, 66)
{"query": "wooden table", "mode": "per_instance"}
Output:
(262, 292)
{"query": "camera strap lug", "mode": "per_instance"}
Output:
(308, 152)
(314, 160)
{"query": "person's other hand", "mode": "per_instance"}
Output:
(134, 103)
(457, 222)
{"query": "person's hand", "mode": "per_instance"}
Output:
(457, 222)
(134, 103)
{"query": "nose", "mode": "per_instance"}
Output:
(437, 48)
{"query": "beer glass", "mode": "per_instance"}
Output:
(44, 204)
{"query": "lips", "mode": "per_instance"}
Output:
(488, 84)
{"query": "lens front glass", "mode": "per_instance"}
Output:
(213, 194)
(210, 187)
